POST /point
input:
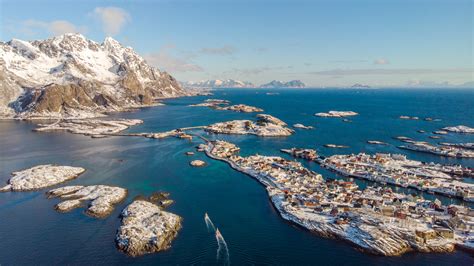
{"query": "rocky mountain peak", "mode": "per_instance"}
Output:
(84, 68)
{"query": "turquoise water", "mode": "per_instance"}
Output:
(31, 232)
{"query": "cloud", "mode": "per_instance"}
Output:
(261, 49)
(423, 83)
(224, 50)
(56, 27)
(384, 71)
(381, 61)
(112, 18)
(165, 60)
(348, 61)
(255, 70)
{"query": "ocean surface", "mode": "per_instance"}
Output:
(32, 232)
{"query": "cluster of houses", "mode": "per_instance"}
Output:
(344, 202)
(397, 170)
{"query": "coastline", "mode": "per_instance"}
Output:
(324, 225)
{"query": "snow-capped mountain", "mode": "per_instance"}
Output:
(282, 84)
(71, 76)
(360, 86)
(216, 83)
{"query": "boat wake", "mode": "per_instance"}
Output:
(222, 250)
(210, 226)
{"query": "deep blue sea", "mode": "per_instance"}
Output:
(32, 232)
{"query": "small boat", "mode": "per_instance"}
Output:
(218, 234)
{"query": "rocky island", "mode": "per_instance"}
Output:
(241, 108)
(223, 105)
(146, 229)
(406, 117)
(376, 220)
(102, 199)
(41, 176)
(467, 145)
(376, 142)
(90, 127)
(460, 129)
(301, 126)
(197, 163)
(265, 126)
(441, 150)
(336, 146)
(336, 114)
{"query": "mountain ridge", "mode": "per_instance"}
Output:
(231, 83)
(69, 76)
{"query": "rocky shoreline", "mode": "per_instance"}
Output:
(289, 186)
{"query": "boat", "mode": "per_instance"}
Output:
(218, 234)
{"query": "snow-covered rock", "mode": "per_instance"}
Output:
(90, 127)
(336, 114)
(41, 176)
(301, 126)
(265, 126)
(197, 163)
(460, 129)
(102, 198)
(146, 229)
(71, 76)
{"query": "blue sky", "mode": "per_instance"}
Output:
(323, 43)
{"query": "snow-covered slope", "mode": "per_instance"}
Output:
(216, 83)
(71, 76)
(282, 84)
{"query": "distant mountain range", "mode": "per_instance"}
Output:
(217, 83)
(282, 84)
(69, 76)
(360, 86)
(231, 83)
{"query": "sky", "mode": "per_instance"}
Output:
(323, 43)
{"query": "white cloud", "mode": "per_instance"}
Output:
(398, 71)
(112, 18)
(381, 61)
(224, 50)
(56, 27)
(163, 59)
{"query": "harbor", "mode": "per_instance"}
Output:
(397, 170)
(375, 219)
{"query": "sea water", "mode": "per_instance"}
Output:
(32, 232)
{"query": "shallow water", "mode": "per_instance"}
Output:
(31, 232)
